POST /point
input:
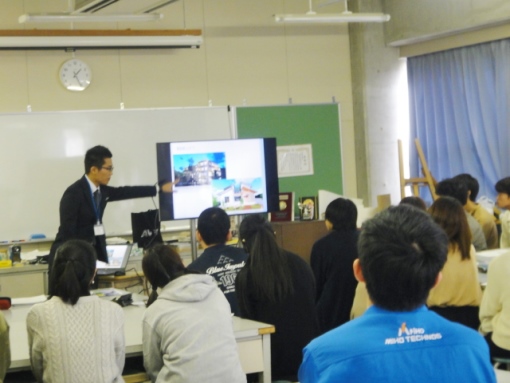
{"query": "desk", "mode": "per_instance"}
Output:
(253, 339)
(133, 281)
(483, 258)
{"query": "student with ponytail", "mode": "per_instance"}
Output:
(188, 335)
(277, 287)
(74, 336)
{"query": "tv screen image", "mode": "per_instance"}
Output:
(240, 176)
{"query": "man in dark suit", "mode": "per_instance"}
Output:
(83, 203)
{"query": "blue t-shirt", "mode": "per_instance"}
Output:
(385, 346)
(223, 262)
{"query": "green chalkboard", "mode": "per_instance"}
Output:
(318, 125)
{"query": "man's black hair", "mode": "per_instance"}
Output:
(450, 187)
(471, 183)
(213, 225)
(401, 251)
(503, 185)
(342, 213)
(95, 157)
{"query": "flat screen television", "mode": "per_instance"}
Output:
(239, 176)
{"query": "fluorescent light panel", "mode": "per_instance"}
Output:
(75, 18)
(347, 17)
(98, 42)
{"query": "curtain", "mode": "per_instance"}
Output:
(459, 110)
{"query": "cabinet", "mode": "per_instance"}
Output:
(299, 236)
(23, 281)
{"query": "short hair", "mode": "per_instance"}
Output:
(95, 157)
(448, 213)
(471, 183)
(503, 185)
(342, 213)
(453, 188)
(213, 225)
(72, 270)
(415, 201)
(401, 251)
(161, 265)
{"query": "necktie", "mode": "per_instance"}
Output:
(97, 198)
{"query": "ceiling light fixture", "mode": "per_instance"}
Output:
(75, 18)
(344, 17)
(99, 39)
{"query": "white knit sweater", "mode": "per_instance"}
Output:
(80, 343)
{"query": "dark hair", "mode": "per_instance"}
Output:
(450, 215)
(453, 188)
(213, 225)
(471, 183)
(417, 202)
(72, 271)
(161, 265)
(266, 268)
(401, 251)
(342, 213)
(95, 157)
(503, 185)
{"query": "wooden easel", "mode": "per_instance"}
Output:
(415, 183)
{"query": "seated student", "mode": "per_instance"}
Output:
(75, 336)
(401, 253)
(5, 349)
(458, 296)
(495, 307)
(486, 220)
(331, 261)
(458, 190)
(503, 201)
(414, 201)
(187, 330)
(277, 287)
(219, 260)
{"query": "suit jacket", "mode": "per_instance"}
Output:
(78, 214)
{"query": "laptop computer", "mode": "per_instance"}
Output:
(118, 257)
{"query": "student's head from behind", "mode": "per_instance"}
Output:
(503, 190)
(341, 214)
(256, 231)
(417, 202)
(267, 263)
(448, 213)
(73, 270)
(453, 188)
(99, 165)
(161, 265)
(401, 252)
(471, 183)
(214, 226)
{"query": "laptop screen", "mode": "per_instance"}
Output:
(118, 257)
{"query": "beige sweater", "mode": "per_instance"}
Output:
(459, 285)
(80, 343)
(5, 350)
(495, 307)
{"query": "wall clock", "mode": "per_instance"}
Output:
(75, 75)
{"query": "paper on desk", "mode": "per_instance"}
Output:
(31, 255)
(29, 300)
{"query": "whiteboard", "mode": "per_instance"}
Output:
(41, 154)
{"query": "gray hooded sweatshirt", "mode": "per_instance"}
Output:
(188, 334)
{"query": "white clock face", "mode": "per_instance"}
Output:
(75, 75)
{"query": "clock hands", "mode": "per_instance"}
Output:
(76, 77)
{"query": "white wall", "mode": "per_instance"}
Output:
(246, 58)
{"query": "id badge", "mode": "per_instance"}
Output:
(98, 229)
